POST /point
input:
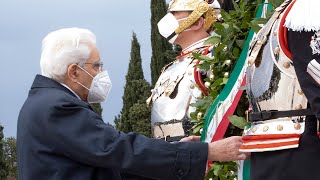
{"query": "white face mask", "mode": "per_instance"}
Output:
(167, 27)
(100, 87)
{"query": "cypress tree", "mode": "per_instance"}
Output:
(140, 118)
(97, 108)
(159, 45)
(140, 113)
(3, 165)
(135, 71)
(117, 121)
(136, 90)
(10, 156)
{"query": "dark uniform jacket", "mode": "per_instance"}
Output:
(299, 44)
(300, 163)
(62, 137)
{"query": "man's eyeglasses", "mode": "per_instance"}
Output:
(97, 65)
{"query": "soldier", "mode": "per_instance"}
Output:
(188, 24)
(284, 93)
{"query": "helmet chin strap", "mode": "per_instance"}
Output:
(202, 8)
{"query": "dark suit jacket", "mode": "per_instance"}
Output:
(61, 137)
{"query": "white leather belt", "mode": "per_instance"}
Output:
(169, 129)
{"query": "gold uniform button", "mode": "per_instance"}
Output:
(192, 86)
(276, 50)
(254, 129)
(286, 65)
(275, 33)
(297, 126)
(298, 107)
(279, 127)
(250, 61)
(300, 92)
(265, 129)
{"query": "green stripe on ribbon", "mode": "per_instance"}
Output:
(232, 80)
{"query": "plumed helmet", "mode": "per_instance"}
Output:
(190, 5)
(206, 8)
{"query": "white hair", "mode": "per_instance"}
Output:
(64, 47)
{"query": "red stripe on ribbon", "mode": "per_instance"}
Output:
(223, 125)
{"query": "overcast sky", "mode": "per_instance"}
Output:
(25, 23)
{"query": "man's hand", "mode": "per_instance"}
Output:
(191, 139)
(226, 150)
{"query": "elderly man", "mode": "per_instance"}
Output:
(60, 136)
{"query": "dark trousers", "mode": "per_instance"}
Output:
(301, 163)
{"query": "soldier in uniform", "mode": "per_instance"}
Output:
(188, 24)
(283, 86)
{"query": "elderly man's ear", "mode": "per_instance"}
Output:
(72, 72)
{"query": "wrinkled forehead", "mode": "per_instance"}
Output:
(94, 54)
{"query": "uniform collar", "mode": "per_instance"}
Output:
(194, 46)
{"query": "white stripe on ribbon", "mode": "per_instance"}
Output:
(222, 107)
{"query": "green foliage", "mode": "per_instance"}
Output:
(97, 108)
(274, 4)
(257, 23)
(135, 68)
(132, 90)
(139, 115)
(171, 54)
(135, 91)
(10, 154)
(135, 115)
(239, 122)
(222, 171)
(3, 165)
(160, 46)
(229, 40)
(203, 106)
(117, 121)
